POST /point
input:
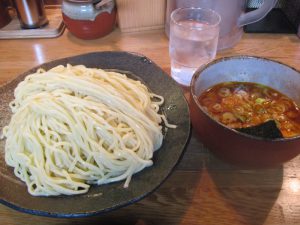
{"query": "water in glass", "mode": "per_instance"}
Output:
(192, 44)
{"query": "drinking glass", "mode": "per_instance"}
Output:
(232, 12)
(193, 41)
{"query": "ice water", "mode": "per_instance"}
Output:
(192, 44)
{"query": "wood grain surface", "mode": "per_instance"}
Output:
(140, 15)
(202, 189)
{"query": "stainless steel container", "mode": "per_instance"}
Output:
(31, 13)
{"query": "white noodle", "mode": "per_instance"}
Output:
(74, 126)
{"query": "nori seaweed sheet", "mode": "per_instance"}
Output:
(268, 129)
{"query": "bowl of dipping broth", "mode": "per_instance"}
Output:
(245, 110)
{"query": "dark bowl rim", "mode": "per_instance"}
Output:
(198, 72)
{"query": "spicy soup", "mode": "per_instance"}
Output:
(245, 104)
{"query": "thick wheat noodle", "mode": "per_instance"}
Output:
(74, 126)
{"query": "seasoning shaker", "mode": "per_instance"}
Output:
(31, 13)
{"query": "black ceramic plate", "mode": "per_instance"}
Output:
(99, 199)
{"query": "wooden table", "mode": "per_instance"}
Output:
(202, 189)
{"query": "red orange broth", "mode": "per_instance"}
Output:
(245, 104)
